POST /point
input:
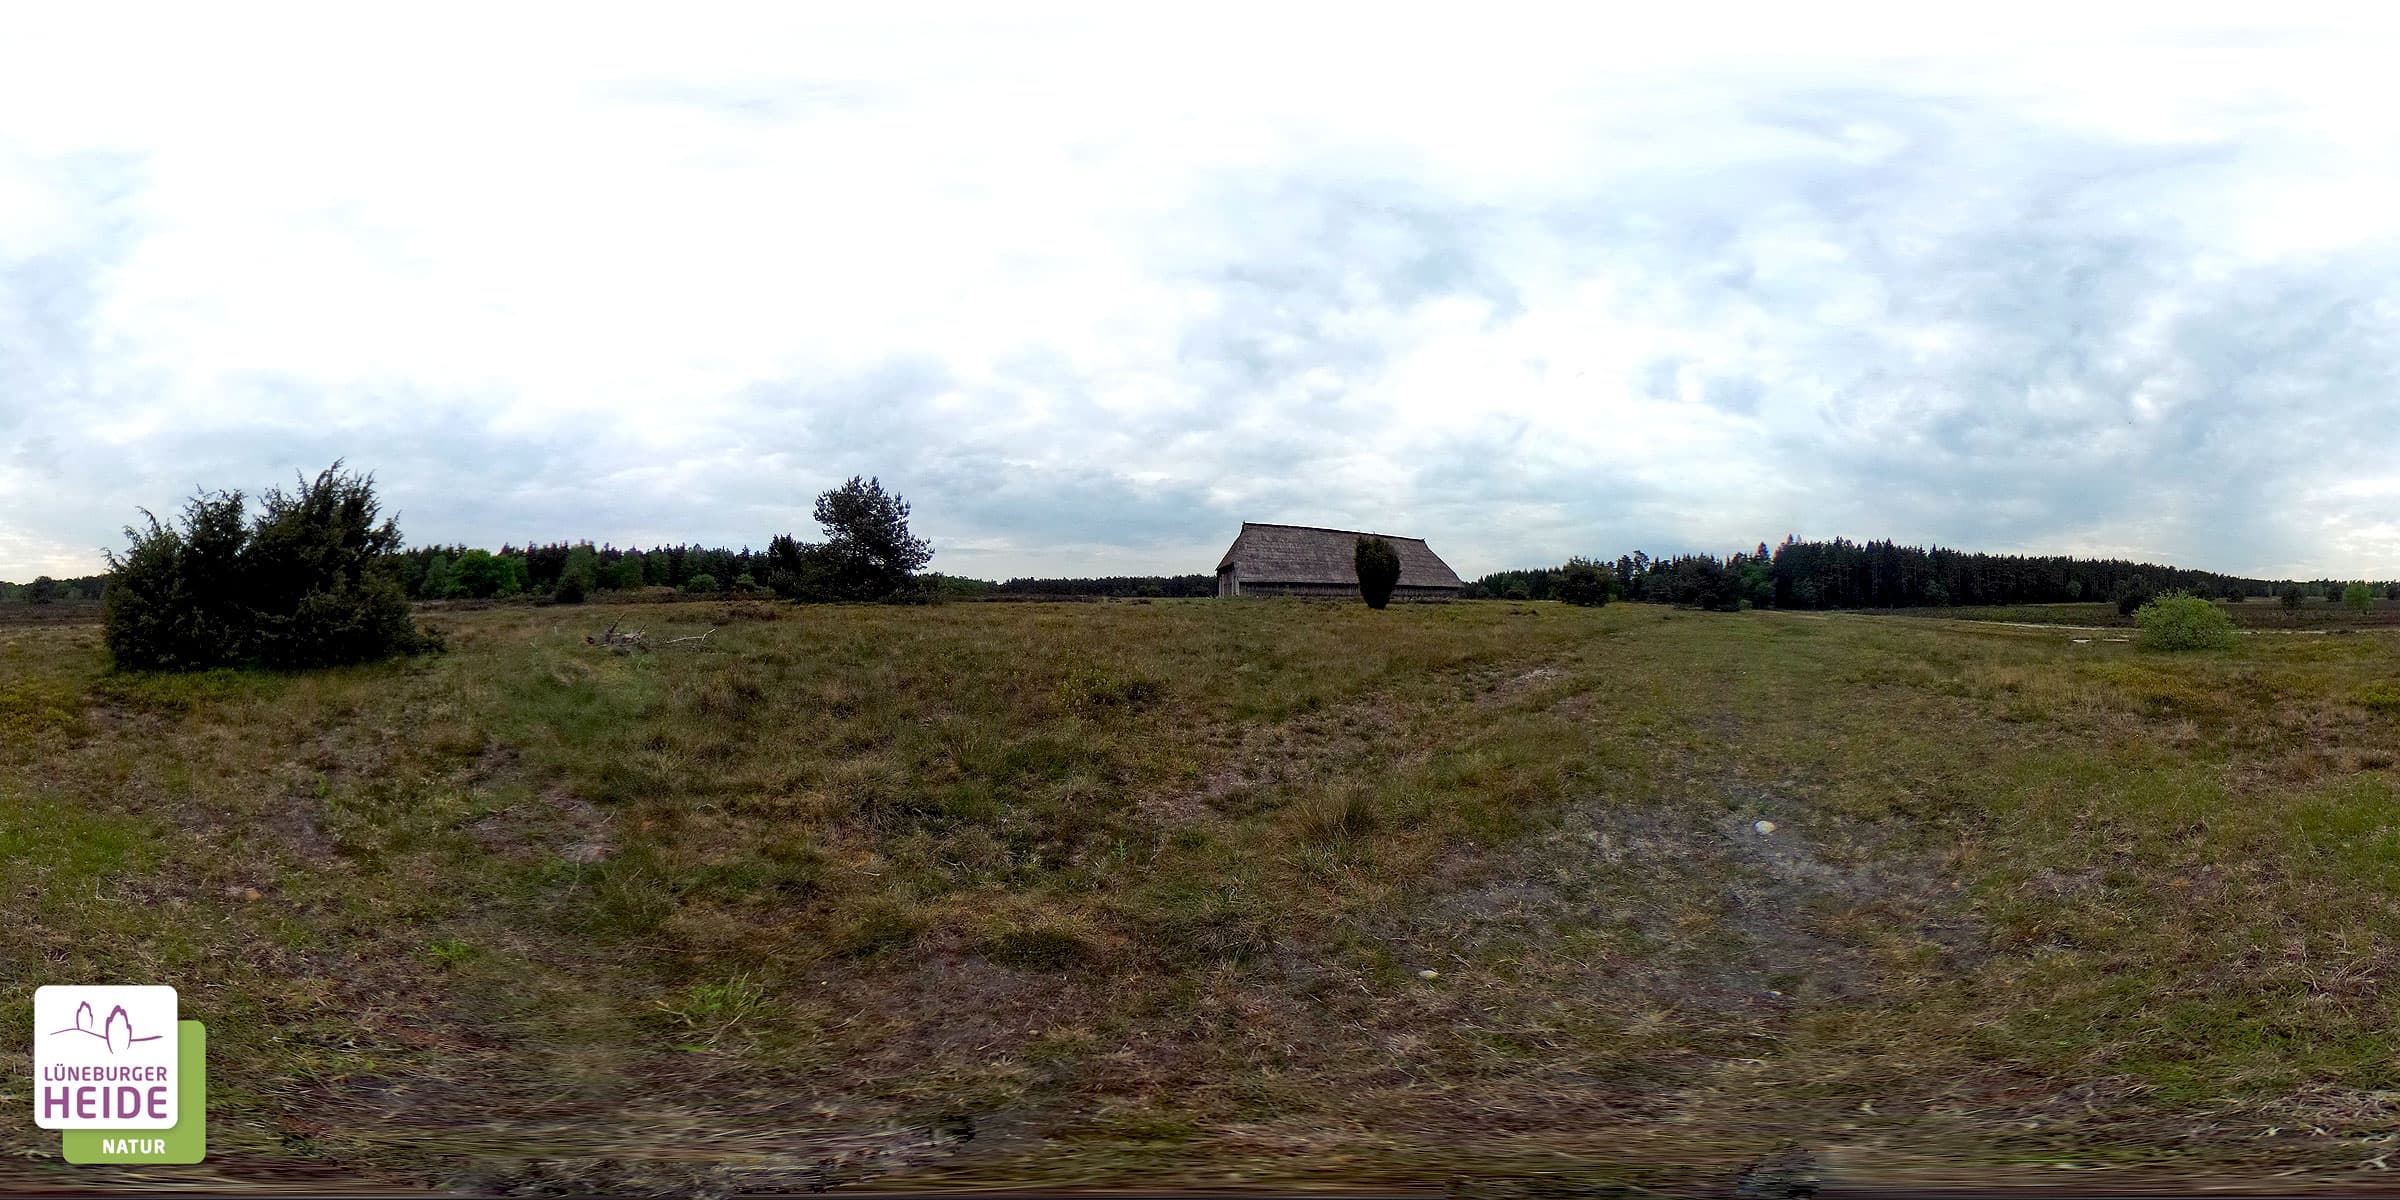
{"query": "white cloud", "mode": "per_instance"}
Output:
(591, 271)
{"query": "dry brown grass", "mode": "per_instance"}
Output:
(1144, 894)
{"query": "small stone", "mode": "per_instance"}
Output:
(1764, 826)
(250, 894)
(1429, 973)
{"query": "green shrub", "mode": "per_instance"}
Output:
(583, 563)
(2182, 621)
(311, 580)
(2291, 597)
(1582, 582)
(2359, 598)
(177, 604)
(572, 588)
(623, 575)
(797, 571)
(436, 583)
(701, 584)
(33, 705)
(1378, 570)
(482, 574)
(2380, 697)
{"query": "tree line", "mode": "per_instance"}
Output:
(570, 571)
(311, 577)
(45, 590)
(1115, 586)
(1841, 573)
(868, 554)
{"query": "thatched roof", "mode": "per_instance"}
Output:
(1304, 554)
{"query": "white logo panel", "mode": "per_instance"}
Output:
(104, 1057)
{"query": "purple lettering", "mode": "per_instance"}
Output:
(54, 1102)
(83, 1104)
(158, 1104)
(129, 1101)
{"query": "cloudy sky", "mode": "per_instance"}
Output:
(1090, 286)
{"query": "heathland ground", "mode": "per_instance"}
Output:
(1207, 892)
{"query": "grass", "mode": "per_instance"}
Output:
(1144, 893)
(2257, 612)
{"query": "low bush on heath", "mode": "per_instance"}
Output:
(2182, 621)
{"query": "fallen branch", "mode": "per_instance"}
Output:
(697, 637)
(619, 642)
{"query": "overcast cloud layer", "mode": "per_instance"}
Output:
(1090, 287)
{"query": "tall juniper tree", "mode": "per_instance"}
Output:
(1378, 570)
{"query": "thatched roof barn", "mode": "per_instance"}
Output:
(1301, 560)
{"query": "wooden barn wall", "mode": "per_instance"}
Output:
(1339, 591)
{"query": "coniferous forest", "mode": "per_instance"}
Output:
(1835, 573)
(1841, 573)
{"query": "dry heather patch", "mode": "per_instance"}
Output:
(1227, 891)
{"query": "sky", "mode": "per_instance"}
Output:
(1091, 285)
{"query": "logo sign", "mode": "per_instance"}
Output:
(105, 1058)
(187, 1143)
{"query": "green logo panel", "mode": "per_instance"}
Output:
(186, 1143)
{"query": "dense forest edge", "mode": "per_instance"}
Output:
(1837, 573)
(1841, 573)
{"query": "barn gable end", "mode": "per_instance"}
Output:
(1302, 560)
